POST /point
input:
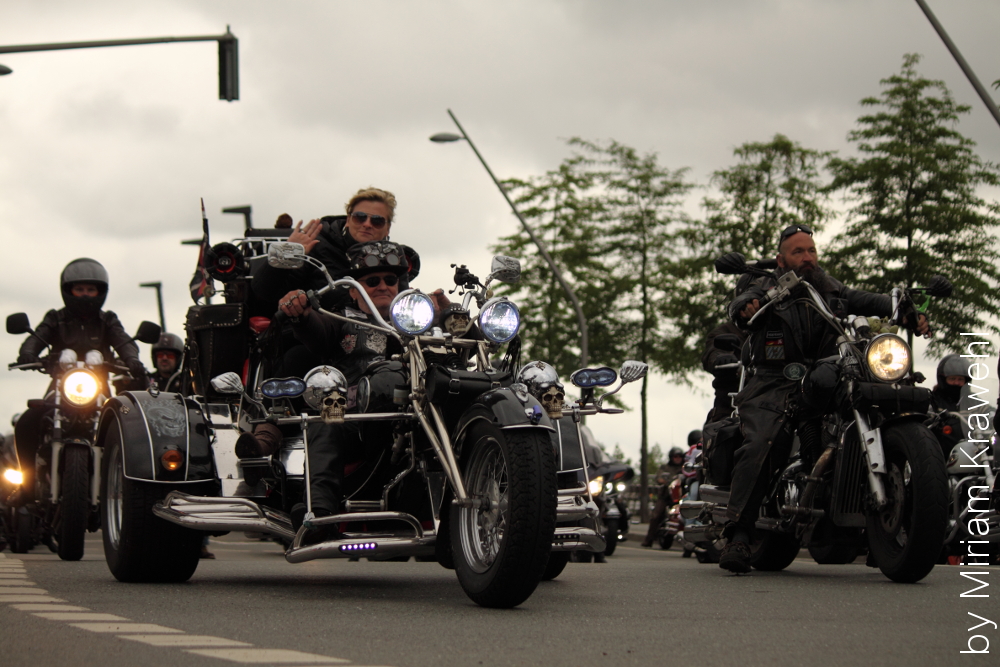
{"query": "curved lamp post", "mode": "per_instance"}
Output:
(446, 137)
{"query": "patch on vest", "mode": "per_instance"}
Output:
(774, 346)
(348, 342)
(375, 342)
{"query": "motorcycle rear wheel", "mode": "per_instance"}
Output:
(906, 536)
(556, 564)
(20, 531)
(774, 552)
(138, 545)
(666, 541)
(74, 503)
(610, 537)
(501, 552)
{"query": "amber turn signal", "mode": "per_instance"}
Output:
(171, 459)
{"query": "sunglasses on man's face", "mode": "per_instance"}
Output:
(378, 221)
(792, 231)
(373, 281)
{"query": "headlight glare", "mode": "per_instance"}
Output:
(888, 358)
(412, 312)
(499, 320)
(13, 476)
(596, 485)
(80, 387)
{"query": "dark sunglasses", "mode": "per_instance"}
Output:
(792, 231)
(378, 221)
(373, 281)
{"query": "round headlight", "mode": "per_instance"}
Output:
(499, 320)
(888, 358)
(593, 377)
(80, 387)
(13, 476)
(412, 312)
(321, 382)
(283, 388)
(596, 485)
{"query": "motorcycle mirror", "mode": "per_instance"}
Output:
(286, 255)
(731, 264)
(505, 269)
(227, 383)
(633, 370)
(148, 333)
(727, 342)
(18, 323)
(939, 287)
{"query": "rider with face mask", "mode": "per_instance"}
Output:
(952, 376)
(80, 326)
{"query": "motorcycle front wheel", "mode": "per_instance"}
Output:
(775, 551)
(501, 550)
(138, 545)
(610, 536)
(21, 524)
(905, 536)
(74, 503)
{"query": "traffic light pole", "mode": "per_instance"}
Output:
(229, 80)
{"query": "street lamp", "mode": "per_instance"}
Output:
(158, 286)
(447, 137)
(245, 211)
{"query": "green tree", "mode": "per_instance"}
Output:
(640, 213)
(917, 212)
(563, 210)
(656, 459)
(773, 185)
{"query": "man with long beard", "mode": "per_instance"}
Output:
(783, 345)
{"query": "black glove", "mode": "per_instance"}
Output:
(135, 368)
(28, 359)
(724, 359)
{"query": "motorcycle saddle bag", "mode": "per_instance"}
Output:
(449, 384)
(218, 336)
(720, 440)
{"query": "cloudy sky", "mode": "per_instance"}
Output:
(106, 152)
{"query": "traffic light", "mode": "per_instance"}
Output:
(229, 67)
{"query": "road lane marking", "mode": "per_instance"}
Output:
(48, 607)
(130, 628)
(17, 582)
(29, 598)
(267, 655)
(183, 640)
(21, 590)
(78, 616)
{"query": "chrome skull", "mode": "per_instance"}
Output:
(333, 408)
(542, 382)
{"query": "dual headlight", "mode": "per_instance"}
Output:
(80, 387)
(888, 358)
(412, 313)
(596, 485)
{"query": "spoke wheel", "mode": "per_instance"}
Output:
(501, 547)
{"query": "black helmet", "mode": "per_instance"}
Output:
(84, 270)
(169, 342)
(675, 451)
(376, 256)
(694, 437)
(951, 364)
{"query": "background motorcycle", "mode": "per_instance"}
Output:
(866, 460)
(67, 465)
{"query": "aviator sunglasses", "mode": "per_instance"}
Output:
(378, 221)
(373, 281)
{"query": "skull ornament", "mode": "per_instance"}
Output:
(321, 383)
(552, 401)
(332, 411)
(542, 382)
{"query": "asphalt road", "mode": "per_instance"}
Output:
(644, 607)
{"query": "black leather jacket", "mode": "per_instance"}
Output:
(63, 330)
(270, 284)
(794, 332)
(348, 347)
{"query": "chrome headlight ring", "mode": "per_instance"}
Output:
(412, 312)
(499, 319)
(889, 358)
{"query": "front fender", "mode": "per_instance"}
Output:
(506, 410)
(150, 425)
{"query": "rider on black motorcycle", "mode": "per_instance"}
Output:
(81, 326)
(782, 346)
(666, 474)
